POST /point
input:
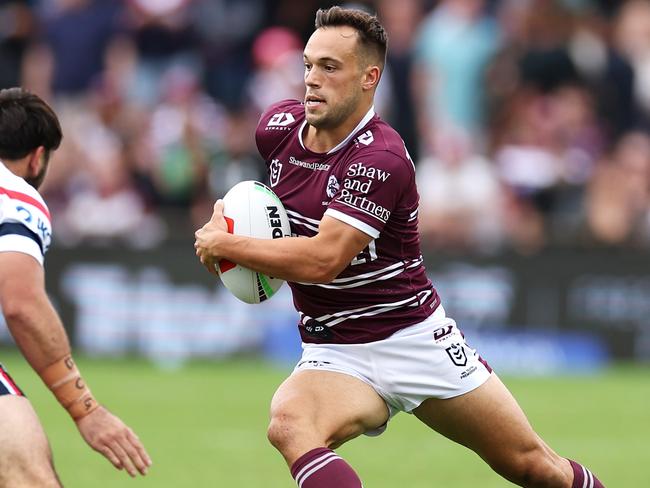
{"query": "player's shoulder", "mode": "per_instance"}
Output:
(281, 116)
(276, 122)
(25, 223)
(379, 143)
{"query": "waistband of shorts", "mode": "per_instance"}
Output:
(437, 315)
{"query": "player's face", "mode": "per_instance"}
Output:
(333, 76)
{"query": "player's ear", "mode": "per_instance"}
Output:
(36, 160)
(371, 77)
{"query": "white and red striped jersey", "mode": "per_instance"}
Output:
(368, 182)
(25, 223)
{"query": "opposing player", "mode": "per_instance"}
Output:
(376, 340)
(29, 132)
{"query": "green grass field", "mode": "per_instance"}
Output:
(205, 426)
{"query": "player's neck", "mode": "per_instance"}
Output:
(16, 166)
(325, 139)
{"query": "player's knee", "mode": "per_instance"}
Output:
(283, 431)
(287, 429)
(532, 468)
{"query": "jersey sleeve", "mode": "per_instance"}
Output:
(275, 124)
(25, 225)
(372, 187)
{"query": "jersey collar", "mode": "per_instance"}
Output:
(366, 118)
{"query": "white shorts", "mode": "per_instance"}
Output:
(426, 360)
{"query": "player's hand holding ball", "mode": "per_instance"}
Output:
(250, 209)
(207, 238)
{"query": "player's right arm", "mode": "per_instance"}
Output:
(39, 334)
(317, 259)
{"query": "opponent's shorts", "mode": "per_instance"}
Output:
(7, 384)
(426, 360)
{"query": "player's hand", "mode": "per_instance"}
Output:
(207, 238)
(108, 435)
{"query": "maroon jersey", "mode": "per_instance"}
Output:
(368, 182)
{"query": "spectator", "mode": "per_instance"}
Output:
(78, 33)
(632, 31)
(460, 197)
(226, 29)
(545, 152)
(277, 54)
(17, 28)
(455, 43)
(618, 199)
(399, 18)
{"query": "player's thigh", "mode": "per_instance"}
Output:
(25, 456)
(487, 420)
(327, 406)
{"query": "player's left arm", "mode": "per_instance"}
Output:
(39, 333)
(317, 259)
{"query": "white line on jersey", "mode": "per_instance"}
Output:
(307, 226)
(302, 217)
(370, 277)
(338, 317)
(362, 210)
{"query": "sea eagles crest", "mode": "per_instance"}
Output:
(275, 169)
(332, 186)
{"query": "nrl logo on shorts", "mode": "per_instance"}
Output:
(332, 186)
(275, 168)
(457, 354)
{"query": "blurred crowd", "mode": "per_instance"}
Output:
(528, 120)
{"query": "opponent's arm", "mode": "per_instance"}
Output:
(317, 259)
(39, 333)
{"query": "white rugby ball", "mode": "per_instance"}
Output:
(252, 209)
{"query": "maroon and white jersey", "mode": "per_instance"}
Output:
(368, 182)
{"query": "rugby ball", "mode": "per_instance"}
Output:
(252, 209)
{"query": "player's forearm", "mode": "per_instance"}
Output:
(298, 259)
(40, 335)
(37, 331)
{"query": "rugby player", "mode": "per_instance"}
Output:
(376, 339)
(29, 133)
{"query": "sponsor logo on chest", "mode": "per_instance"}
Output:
(275, 168)
(360, 169)
(280, 121)
(360, 177)
(311, 166)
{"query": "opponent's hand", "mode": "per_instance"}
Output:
(108, 435)
(207, 238)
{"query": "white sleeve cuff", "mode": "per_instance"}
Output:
(356, 223)
(18, 243)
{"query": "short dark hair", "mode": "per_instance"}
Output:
(372, 35)
(26, 122)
